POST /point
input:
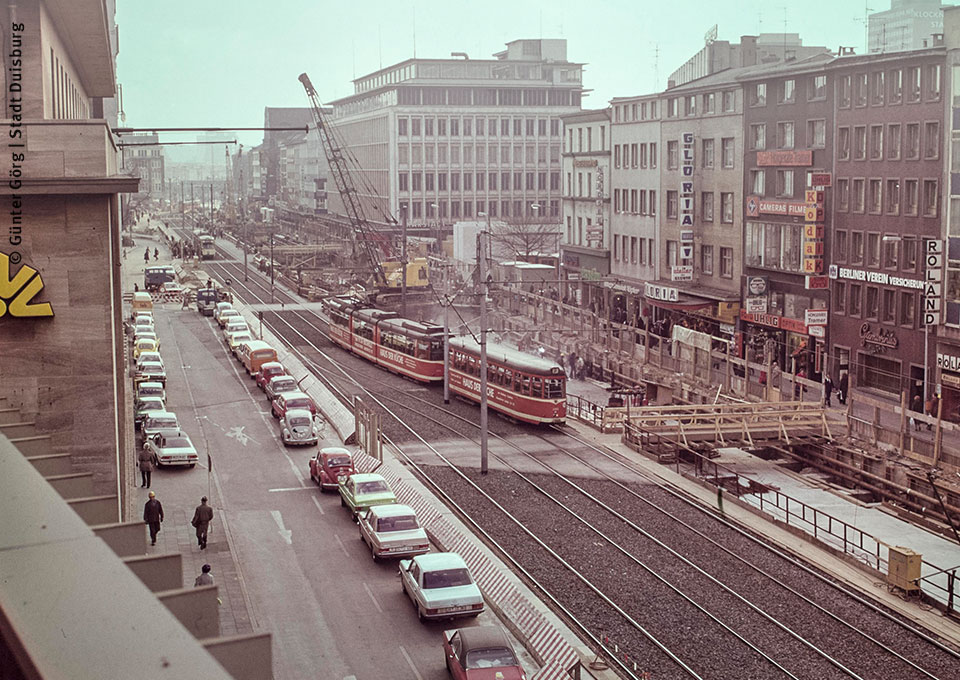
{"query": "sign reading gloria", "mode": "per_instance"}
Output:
(17, 292)
(665, 293)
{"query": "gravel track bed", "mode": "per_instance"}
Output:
(813, 625)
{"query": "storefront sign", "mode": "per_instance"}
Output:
(818, 331)
(948, 362)
(584, 163)
(881, 278)
(821, 179)
(757, 285)
(816, 283)
(757, 305)
(794, 158)
(933, 290)
(815, 317)
(681, 272)
(664, 293)
(813, 196)
(879, 340)
(686, 188)
(18, 291)
(950, 380)
(759, 206)
(774, 321)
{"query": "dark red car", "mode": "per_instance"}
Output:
(271, 369)
(329, 465)
(480, 653)
(288, 400)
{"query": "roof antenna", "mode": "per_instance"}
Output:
(414, 31)
(379, 46)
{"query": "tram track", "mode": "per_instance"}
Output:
(814, 661)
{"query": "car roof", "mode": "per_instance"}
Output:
(483, 637)
(223, 305)
(441, 560)
(283, 377)
(163, 414)
(301, 412)
(142, 297)
(151, 398)
(271, 365)
(297, 394)
(335, 451)
(148, 383)
(257, 345)
(392, 510)
(150, 365)
(367, 477)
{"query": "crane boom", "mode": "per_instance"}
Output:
(363, 233)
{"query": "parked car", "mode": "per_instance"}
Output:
(171, 448)
(233, 326)
(279, 385)
(440, 586)
(299, 427)
(144, 407)
(207, 301)
(151, 389)
(290, 400)
(393, 531)
(226, 315)
(143, 321)
(235, 340)
(221, 307)
(171, 287)
(330, 465)
(160, 421)
(254, 354)
(360, 492)
(146, 357)
(146, 334)
(143, 345)
(269, 370)
(150, 371)
(480, 652)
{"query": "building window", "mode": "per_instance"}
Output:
(691, 105)
(653, 155)
(785, 135)
(855, 300)
(428, 127)
(672, 205)
(706, 260)
(707, 154)
(843, 143)
(889, 310)
(757, 181)
(643, 155)
(758, 95)
(860, 143)
(856, 247)
(859, 195)
(895, 85)
(860, 89)
(653, 203)
(816, 134)
(840, 245)
(891, 252)
(913, 84)
(726, 262)
(634, 160)
(893, 197)
(787, 91)
(785, 183)
(931, 197)
(758, 136)
(843, 88)
(933, 81)
(871, 310)
(908, 308)
(817, 88)
(876, 142)
(875, 197)
(673, 155)
(931, 139)
(402, 126)
(616, 155)
(876, 88)
(728, 96)
(910, 254)
(726, 207)
(706, 206)
(672, 107)
(633, 249)
(873, 249)
(616, 247)
(727, 150)
(913, 141)
(709, 102)
(616, 200)
(415, 127)
(671, 253)
(839, 297)
(910, 197)
(893, 141)
(402, 184)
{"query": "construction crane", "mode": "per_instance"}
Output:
(364, 235)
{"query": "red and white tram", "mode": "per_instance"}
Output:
(523, 387)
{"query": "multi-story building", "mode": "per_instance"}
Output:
(303, 177)
(279, 117)
(887, 206)
(586, 203)
(635, 188)
(907, 25)
(788, 121)
(453, 137)
(143, 158)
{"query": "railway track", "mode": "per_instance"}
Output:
(678, 593)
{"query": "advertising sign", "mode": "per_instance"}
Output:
(664, 293)
(933, 284)
(815, 317)
(793, 158)
(682, 272)
(757, 305)
(686, 188)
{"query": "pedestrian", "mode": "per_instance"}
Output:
(156, 253)
(153, 516)
(145, 458)
(931, 409)
(572, 364)
(541, 351)
(580, 368)
(563, 362)
(209, 283)
(146, 256)
(205, 578)
(827, 390)
(844, 384)
(202, 517)
(124, 253)
(136, 288)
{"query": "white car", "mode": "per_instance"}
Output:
(145, 334)
(171, 287)
(171, 448)
(150, 371)
(440, 586)
(160, 421)
(234, 326)
(143, 321)
(144, 357)
(299, 426)
(221, 306)
(144, 406)
(393, 531)
(228, 315)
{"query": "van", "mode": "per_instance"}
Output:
(254, 354)
(142, 302)
(151, 389)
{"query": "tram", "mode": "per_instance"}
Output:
(208, 248)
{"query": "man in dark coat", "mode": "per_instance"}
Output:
(842, 392)
(202, 517)
(145, 459)
(827, 389)
(153, 516)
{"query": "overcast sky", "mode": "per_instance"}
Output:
(206, 63)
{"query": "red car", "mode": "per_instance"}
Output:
(480, 653)
(329, 465)
(271, 369)
(288, 400)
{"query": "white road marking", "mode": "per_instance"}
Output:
(342, 546)
(350, 677)
(317, 503)
(241, 436)
(287, 534)
(290, 488)
(406, 656)
(370, 593)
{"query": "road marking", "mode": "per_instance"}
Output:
(342, 546)
(291, 488)
(241, 436)
(370, 593)
(317, 503)
(286, 533)
(350, 677)
(406, 656)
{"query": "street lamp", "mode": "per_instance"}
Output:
(481, 264)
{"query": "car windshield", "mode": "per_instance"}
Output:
(377, 486)
(495, 657)
(150, 366)
(152, 405)
(163, 424)
(339, 461)
(284, 385)
(299, 422)
(408, 523)
(446, 578)
(298, 403)
(176, 443)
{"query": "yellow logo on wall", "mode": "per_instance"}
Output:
(16, 293)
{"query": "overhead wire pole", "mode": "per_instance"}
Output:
(482, 270)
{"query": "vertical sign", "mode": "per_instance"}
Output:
(813, 235)
(933, 281)
(686, 198)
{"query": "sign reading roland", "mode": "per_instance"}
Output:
(18, 291)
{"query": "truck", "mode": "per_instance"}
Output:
(207, 299)
(154, 277)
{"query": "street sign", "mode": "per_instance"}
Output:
(815, 317)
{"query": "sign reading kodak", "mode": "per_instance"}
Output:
(17, 292)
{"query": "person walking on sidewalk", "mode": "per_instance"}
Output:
(827, 390)
(202, 517)
(931, 405)
(205, 578)
(153, 516)
(844, 384)
(146, 256)
(145, 458)
(156, 253)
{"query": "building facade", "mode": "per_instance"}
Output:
(143, 158)
(907, 25)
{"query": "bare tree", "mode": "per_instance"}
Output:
(524, 240)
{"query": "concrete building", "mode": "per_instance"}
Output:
(907, 25)
(143, 158)
(303, 177)
(586, 203)
(279, 117)
(454, 137)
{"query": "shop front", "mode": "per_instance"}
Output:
(948, 378)
(667, 305)
(785, 340)
(582, 277)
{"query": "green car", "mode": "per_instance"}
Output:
(359, 492)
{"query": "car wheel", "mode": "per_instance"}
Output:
(343, 503)
(420, 615)
(192, 465)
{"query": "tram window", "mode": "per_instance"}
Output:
(495, 375)
(524, 384)
(363, 330)
(508, 379)
(537, 387)
(436, 351)
(423, 349)
(553, 388)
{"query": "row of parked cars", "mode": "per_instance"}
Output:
(439, 585)
(159, 427)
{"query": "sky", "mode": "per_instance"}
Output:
(193, 63)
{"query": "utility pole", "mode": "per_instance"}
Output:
(446, 339)
(243, 227)
(403, 260)
(271, 264)
(211, 207)
(481, 263)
